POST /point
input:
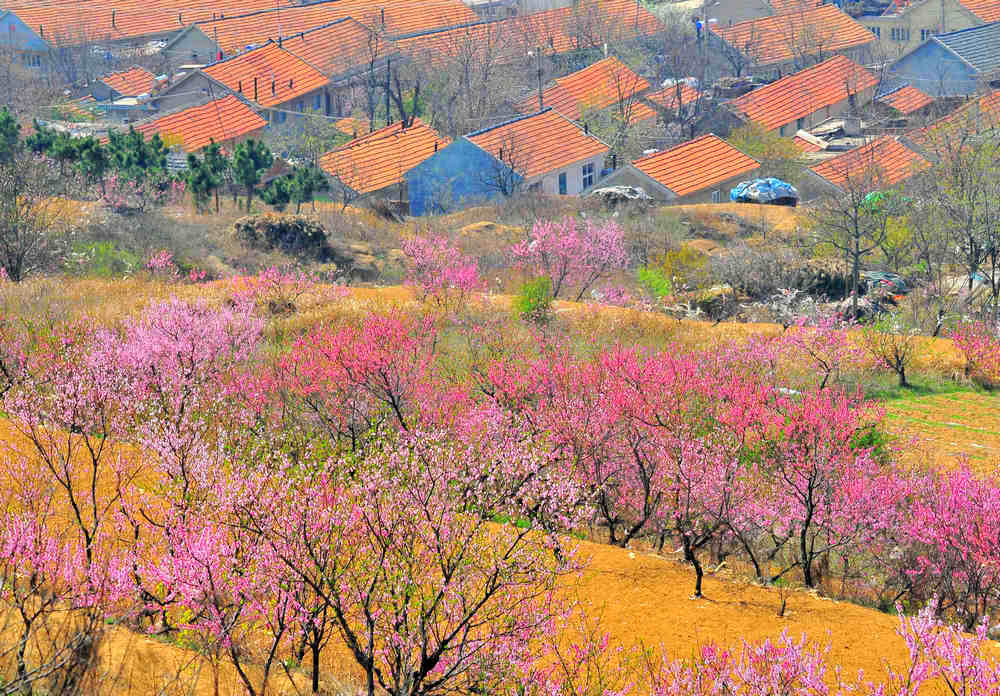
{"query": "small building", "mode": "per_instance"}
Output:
(979, 117)
(702, 170)
(905, 24)
(835, 87)
(269, 77)
(608, 84)
(784, 43)
(225, 121)
(374, 165)
(543, 152)
(883, 163)
(906, 100)
(956, 64)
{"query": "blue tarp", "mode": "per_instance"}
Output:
(768, 190)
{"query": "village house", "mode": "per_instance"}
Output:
(608, 85)
(980, 116)
(883, 163)
(835, 87)
(956, 64)
(373, 166)
(905, 24)
(905, 100)
(220, 37)
(789, 42)
(226, 121)
(269, 77)
(702, 170)
(543, 152)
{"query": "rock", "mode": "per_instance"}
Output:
(613, 195)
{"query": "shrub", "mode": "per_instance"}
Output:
(654, 281)
(292, 234)
(103, 259)
(534, 300)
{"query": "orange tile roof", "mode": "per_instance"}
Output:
(883, 162)
(597, 87)
(352, 126)
(981, 115)
(667, 97)
(280, 75)
(235, 33)
(787, 37)
(132, 82)
(338, 48)
(906, 100)
(586, 24)
(380, 159)
(986, 10)
(696, 164)
(804, 93)
(543, 141)
(220, 120)
(805, 145)
(70, 22)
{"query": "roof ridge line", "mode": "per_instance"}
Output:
(508, 122)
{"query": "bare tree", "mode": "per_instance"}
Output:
(507, 175)
(34, 226)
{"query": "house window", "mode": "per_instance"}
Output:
(299, 106)
(535, 187)
(562, 184)
(317, 101)
(926, 34)
(588, 175)
(877, 31)
(781, 131)
(280, 116)
(800, 123)
(900, 34)
(716, 196)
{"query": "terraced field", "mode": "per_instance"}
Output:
(942, 429)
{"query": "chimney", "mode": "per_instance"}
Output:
(41, 31)
(113, 12)
(272, 87)
(383, 18)
(614, 161)
(279, 40)
(290, 83)
(435, 146)
(180, 18)
(255, 89)
(239, 86)
(586, 129)
(605, 49)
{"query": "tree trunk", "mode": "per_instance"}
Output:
(315, 666)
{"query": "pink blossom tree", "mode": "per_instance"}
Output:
(440, 272)
(979, 343)
(571, 254)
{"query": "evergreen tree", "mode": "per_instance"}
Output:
(250, 159)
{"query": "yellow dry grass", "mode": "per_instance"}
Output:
(782, 220)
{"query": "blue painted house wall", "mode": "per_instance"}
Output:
(936, 71)
(18, 37)
(455, 176)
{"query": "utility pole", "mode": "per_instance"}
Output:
(538, 61)
(388, 86)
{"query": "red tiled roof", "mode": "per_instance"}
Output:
(380, 159)
(131, 82)
(338, 48)
(986, 10)
(981, 115)
(280, 75)
(235, 33)
(597, 87)
(542, 142)
(667, 97)
(804, 93)
(787, 37)
(220, 120)
(586, 24)
(696, 164)
(70, 22)
(906, 100)
(883, 162)
(805, 145)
